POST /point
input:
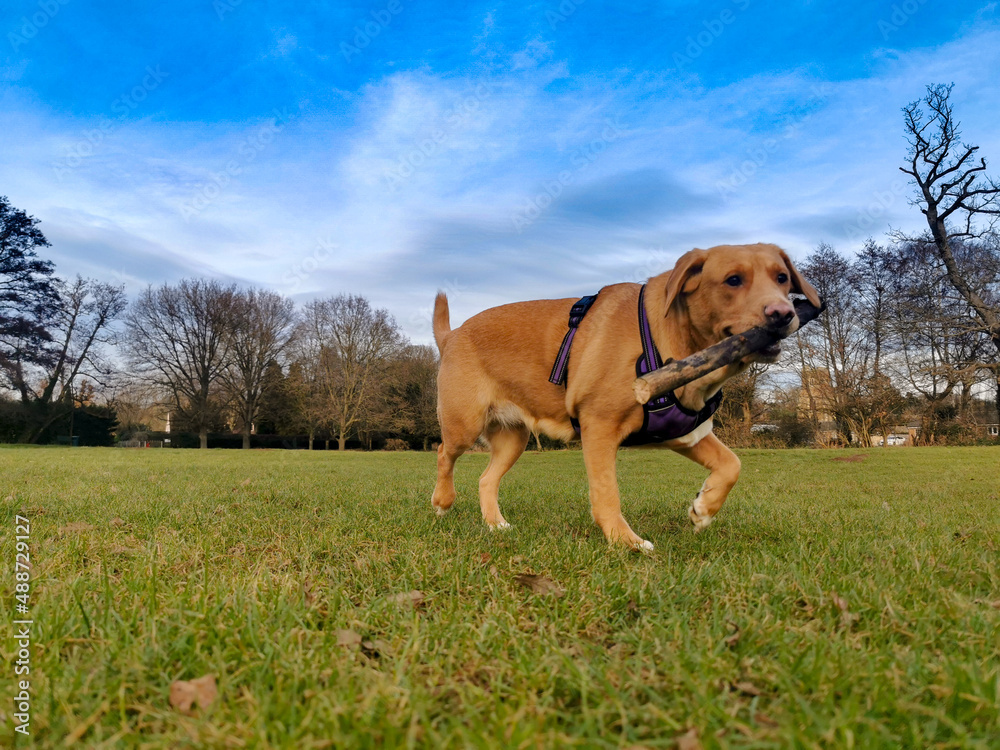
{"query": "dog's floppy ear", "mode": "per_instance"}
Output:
(799, 284)
(685, 277)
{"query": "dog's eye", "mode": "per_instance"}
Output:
(782, 278)
(734, 280)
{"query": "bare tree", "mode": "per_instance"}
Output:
(937, 347)
(137, 404)
(403, 400)
(957, 200)
(741, 405)
(841, 355)
(350, 341)
(307, 394)
(179, 338)
(260, 329)
(80, 328)
(872, 274)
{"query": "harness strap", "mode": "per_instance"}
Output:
(576, 313)
(648, 348)
(650, 359)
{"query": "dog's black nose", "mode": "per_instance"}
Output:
(779, 316)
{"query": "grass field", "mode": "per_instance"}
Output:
(833, 604)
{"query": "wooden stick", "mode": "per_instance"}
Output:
(675, 374)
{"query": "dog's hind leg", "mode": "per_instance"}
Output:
(725, 470)
(506, 446)
(458, 434)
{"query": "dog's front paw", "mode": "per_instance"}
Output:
(700, 522)
(645, 546)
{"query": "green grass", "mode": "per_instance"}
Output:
(157, 565)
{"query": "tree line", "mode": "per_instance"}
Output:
(216, 358)
(911, 337)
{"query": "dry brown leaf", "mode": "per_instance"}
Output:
(348, 638)
(494, 572)
(309, 592)
(117, 521)
(485, 557)
(689, 740)
(746, 687)
(245, 483)
(412, 598)
(184, 694)
(540, 584)
(732, 639)
(376, 648)
(846, 616)
(764, 720)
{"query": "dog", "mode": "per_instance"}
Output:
(497, 379)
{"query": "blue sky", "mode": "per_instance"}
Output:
(498, 151)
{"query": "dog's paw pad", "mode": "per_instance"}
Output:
(645, 546)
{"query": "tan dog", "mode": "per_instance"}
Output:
(494, 374)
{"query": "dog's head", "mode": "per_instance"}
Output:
(732, 288)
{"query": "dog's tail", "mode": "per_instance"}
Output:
(442, 322)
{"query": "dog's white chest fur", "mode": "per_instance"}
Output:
(692, 438)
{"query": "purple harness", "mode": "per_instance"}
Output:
(663, 418)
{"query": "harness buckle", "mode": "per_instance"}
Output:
(579, 309)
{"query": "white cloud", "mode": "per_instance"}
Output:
(419, 192)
